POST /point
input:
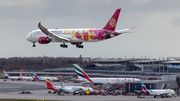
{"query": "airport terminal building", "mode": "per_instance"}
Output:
(153, 72)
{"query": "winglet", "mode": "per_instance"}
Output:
(43, 29)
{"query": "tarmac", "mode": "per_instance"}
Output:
(10, 89)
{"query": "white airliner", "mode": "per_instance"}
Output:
(69, 89)
(44, 78)
(76, 36)
(26, 77)
(11, 77)
(85, 78)
(157, 92)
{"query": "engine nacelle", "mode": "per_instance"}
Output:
(44, 40)
(169, 95)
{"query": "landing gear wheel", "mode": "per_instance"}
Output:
(63, 45)
(79, 46)
(34, 44)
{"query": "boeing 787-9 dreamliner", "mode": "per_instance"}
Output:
(76, 36)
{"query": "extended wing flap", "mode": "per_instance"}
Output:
(50, 34)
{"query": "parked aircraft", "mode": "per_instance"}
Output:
(85, 78)
(11, 77)
(69, 89)
(156, 92)
(76, 36)
(26, 77)
(44, 78)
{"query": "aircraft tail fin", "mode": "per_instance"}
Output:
(35, 76)
(5, 73)
(81, 74)
(49, 85)
(62, 84)
(20, 74)
(111, 25)
(163, 86)
(143, 86)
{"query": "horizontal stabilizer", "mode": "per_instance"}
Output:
(123, 31)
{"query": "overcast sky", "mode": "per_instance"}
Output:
(157, 33)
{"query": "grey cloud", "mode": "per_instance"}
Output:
(18, 21)
(176, 21)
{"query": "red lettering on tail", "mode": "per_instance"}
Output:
(111, 25)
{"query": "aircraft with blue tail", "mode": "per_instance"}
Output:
(156, 92)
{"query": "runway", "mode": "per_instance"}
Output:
(10, 89)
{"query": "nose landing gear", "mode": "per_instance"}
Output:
(34, 44)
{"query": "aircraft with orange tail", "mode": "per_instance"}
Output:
(76, 36)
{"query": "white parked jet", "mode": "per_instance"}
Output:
(76, 36)
(69, 89)
(85, 78)
(26, 77)
(11, 77)
(157, 92)
(44, 78)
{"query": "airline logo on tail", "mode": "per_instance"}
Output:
(35, 76)
(143, 86)
(145, 90)
(20, 74)
(49, 85)
(111, 25)
(81, 73)
(6, 74)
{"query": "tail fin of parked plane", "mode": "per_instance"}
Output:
(20, 74)
(163, 86)
(35, 76)
(111, 25)
(49, 85)
(143, 86)
(81, 74)
(5, 73)
(62, 84)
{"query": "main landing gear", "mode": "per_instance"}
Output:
(79, 46)
(63, 45)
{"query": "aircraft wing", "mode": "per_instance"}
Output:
(50, 34)
(123, 31)
(162, 94)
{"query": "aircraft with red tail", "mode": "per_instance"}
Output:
(76, 36)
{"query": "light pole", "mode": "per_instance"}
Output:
(125, 69)
(159, 67)
(148, 67)
(163, 65)
(133, 68)
(141, 67)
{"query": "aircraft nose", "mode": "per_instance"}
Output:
(28, 36)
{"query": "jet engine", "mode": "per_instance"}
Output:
(169, 95)
(44, 40)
